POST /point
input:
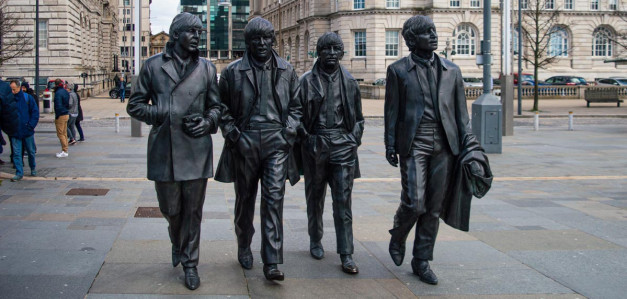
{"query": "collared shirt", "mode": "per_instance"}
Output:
(331, 114)
(265, 110)
(429, 115)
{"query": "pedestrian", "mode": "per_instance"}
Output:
(332, 126)
(261, 113)
(71, 128)
(80, 115)
(122, 91)
(2, 144)
(180, 147)
(22, 115)
(26, 88)
(61, 115)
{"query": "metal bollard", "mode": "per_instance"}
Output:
(570, 121)
(117, 123)
(536, 121)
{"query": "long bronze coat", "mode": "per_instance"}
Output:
(237, 93)
(161, 99)
(404, 106)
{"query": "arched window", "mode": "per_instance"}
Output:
(558, 44)
(465, 40)
(297, 48)
(515, 41)
(307, 45)
(602, 42)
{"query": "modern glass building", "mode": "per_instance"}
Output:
(215, 18)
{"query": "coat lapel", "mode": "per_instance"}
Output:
(169, 69)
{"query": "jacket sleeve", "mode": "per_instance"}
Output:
(390, 111)
(73, 101)
(302, 98)
(138, 106)
(212, 111)
(227, 121)
(467, 139)
(33, 111)
(358, 130)
(295, 110)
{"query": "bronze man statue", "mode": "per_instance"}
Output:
(426, 126)
(260, 115)
(331, 130)
(177, 93)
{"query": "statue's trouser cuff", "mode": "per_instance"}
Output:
(181, 204)
(261, 155)
(425, 179)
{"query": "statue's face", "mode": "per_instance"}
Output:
(427, 41)
(261, 46)
(330, 56)
(189, 38)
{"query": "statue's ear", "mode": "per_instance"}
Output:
(175, 35)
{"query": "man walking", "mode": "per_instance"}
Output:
(61, 115)
(177, 93)
(261, 113)
(427, 126)
(122, 90)
(331, 130)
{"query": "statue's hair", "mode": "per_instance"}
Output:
(258, 26)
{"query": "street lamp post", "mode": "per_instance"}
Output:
(230, 24)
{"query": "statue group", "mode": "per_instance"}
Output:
(277, 125)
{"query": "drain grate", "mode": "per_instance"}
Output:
(148, 212)
(84, 191)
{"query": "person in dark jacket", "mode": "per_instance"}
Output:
(80, 115)
(261, 113)
(61, 115)
(177, 93)
(26, 88)
(6, 112)
(331, 130)
(122, 90)
(427, 126)
(26, 114)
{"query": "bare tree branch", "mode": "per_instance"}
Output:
(12, 43)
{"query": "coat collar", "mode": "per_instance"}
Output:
(411, 64)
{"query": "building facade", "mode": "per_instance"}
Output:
(75, 37)
(126, 34)
(157, 42)
(371, 31)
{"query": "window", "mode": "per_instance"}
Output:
(602, 42)
(359, 4)
(465, 40)
(524, 4)
(43, 34)
(475, 3)
(143, 38)
(392, 4)
(549, 4)
(360, 43)
(127, 2)
(613, 5)
(128, 11)
(454, 3)
(144, 51)
(515, 41)
(558, 43)
(594, 4)
(568, 4)
(391, 43)
(124, 38)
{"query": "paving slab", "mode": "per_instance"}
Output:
(542, 240)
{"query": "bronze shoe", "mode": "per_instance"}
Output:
(245, 257)
(272, 272)
(423, 270)
(348, 265)
(192, 281)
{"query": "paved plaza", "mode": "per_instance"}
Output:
(554, 224)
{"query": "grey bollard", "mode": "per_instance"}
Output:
(487, 124)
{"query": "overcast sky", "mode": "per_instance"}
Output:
(161, 14)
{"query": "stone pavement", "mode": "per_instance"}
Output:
(554, 225)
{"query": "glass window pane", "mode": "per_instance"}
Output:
(360, 43)
(391, 43)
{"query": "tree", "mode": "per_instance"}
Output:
(539, 26)
(620, 39)
(12, 43)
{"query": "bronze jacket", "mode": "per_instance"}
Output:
(404, 105)
(237, 94)
(161, 98)
(312, 94)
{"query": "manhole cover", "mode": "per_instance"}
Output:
(83, 191)
(148, 212)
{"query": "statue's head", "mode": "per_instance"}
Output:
(185, 32)
(330, 50)
(420, 34)
(259, 37)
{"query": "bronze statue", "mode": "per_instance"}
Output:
(177, 93)
(260, 115)
(427, 127)
(331, 130)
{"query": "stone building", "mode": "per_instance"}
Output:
(126, 33)
(371, 33)
(157, 42)
(75, 37)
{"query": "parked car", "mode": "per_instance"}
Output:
(566, 80)
(472, 82)
(616, 81)
(114, 93)
(379, 82)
